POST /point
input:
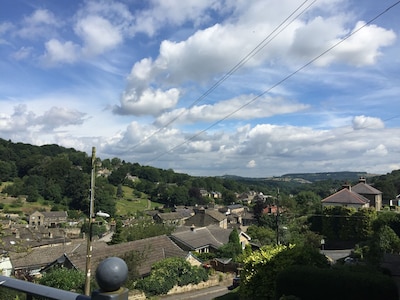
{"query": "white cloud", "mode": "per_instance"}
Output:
(174, 12)
(148, 102)
(23, 53)
(59, 117)
(362, 48)
(240, 108)
(98, 34)
(58, 52)
(265, 149)
(328, 117)
(18, 121)
(362, 122)
(251, 164)
(41, 23)
(41, 16)
(210, 52)
(379, 150)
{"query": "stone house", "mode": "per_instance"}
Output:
(206, 217)
(347, 198)
(172, 218)
(205, 239)
(48, 218)
(372, 194)
(201, 239)
(362, 195)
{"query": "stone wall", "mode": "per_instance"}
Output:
(217, 279)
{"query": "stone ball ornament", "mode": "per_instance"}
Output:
(111, 274)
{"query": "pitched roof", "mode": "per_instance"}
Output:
(174, 215)
(215, 215)
(205, 217)
(345, 196)
(195, 238)
(54, 214)
(22, 237)
(365, 189)
(155, 249)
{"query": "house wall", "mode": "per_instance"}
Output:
(356, 206)
(5, 266)
(39, 219)
(36, 219)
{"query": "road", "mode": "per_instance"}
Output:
(336, 254)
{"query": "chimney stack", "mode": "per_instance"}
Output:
(347, 186)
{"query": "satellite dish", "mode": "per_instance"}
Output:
(102, 214)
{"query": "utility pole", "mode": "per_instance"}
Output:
(91, 220)
(277, 218)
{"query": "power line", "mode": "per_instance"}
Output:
(236, 67)
(280, 81)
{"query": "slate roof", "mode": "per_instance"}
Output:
(345, 196)
(204, 217)
(55, 214)
(170, 216)
(365, 189)
(31, 237)
(155, 249)
(195, 238)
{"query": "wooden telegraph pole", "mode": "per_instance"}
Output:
(91, 220)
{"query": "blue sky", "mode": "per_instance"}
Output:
(207, 87)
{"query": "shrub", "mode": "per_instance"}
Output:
(261, 268)
(168, 273)
(345, 283)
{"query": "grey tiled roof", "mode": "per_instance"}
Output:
(173, 215)
(155, 249)
(365, 189)
(205, 217)
(195, 238)
(345, 196)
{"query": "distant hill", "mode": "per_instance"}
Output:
(313, 177)
(308, 177)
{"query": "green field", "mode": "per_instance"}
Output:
(131, 204)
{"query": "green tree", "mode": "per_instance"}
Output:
(261, 268)
(97, 229)
(389, 218)
(117, 235)
(228, 197)
(8, 170)
(298, 232)
(308, 202)
(233, 248)
(169, 272)
(105, 196)
(64, 279)
(133, 260)
(261, 234)
(120, 191)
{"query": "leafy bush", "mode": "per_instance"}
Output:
(168, 273)
(261, 268)
(307, 282)
(64, 279)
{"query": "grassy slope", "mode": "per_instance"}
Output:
(130, 204)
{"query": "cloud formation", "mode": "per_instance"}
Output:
(207, 87)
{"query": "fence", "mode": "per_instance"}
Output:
(111, 274)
